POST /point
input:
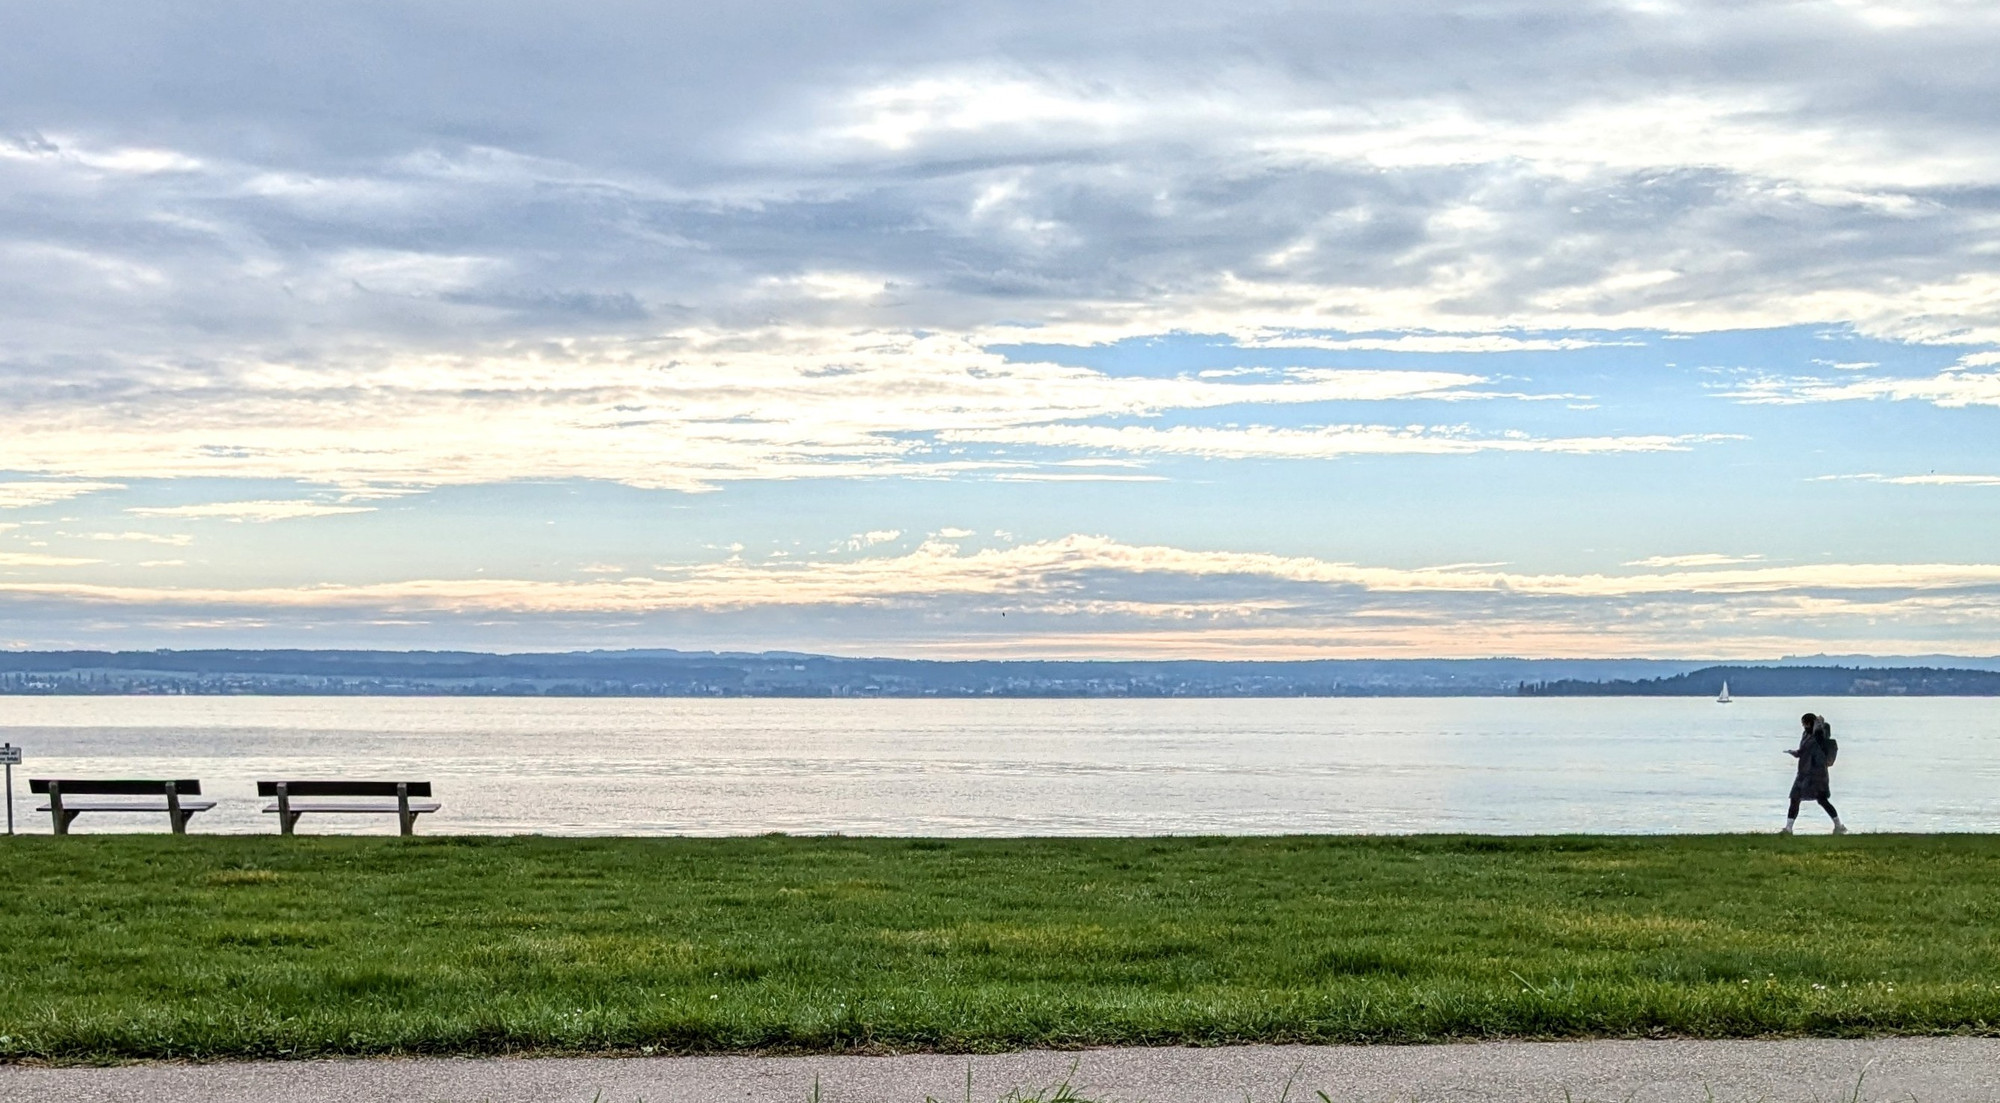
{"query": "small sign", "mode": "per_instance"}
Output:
(10, 755)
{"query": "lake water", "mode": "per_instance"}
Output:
(948, 767)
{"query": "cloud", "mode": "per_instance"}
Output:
(178, 539)
(258, 511)
(22, 495)
(790, 265)
(1427, 342)
(683, 411)
(1701, 559)
(1135, 169)
(1916, 480)
(1322, 443)
(1073, 477)
(692, 245)
(33, 559)
(1950, 389)
(1161, 599)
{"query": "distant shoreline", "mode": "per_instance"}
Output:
(785, 675)
(907, 680)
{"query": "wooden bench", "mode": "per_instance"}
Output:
(289, 808)
(62, 808)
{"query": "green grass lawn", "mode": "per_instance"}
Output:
(154, 946)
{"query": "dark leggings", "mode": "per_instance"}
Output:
(1823, 803)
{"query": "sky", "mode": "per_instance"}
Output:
(1018, 329)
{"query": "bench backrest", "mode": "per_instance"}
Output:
(343, 788)
(127, 787)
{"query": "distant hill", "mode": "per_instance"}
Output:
(665, 673)
(1787, 681)
(1945, 662)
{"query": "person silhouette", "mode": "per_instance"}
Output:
(1812, 782)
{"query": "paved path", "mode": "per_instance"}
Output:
(1928, 1070)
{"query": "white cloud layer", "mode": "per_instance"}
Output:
(260, 511)
(177, 539)
(1954, 389)
(1697, 559)
(368, 248)
(682, 411)
(37, 559)
(1263, 442)
(1919, 480)
(243, 282)
(22, 495)
(1087, 591)
(1316, 172)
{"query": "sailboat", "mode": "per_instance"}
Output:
(1723, 697)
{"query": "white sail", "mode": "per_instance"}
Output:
(1723, 697)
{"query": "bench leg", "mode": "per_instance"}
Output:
(63, 817)
(409, 822)
(176, 818)
(287, 821)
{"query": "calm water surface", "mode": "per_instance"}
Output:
(703, 767)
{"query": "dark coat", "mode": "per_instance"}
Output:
(1812, 782)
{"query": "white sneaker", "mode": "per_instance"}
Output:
(1840, 829)
(1785, 830)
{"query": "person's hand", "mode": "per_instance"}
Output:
(1794, 754)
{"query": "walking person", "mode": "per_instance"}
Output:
(1815, 755)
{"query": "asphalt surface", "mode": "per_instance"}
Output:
(1927, 1070)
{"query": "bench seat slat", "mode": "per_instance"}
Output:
(112, 786)
(338, 788)
(189, 806)
(330, 806)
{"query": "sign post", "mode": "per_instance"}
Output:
(10, 755)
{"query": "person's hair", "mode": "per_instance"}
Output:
(1809, 720)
